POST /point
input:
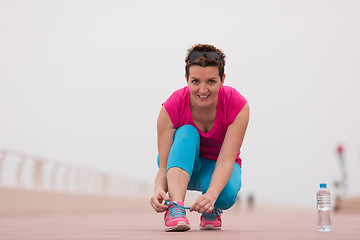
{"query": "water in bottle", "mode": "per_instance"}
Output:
(323, 206)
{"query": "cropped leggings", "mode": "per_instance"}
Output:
(184, 154)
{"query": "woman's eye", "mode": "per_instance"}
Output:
(195, 81)
(212, 81)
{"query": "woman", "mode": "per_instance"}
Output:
(200, 131)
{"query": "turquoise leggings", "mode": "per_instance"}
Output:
(184, 154)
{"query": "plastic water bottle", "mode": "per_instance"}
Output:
(323, 206)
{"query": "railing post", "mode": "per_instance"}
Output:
(66, 179)
(54, 176)
(81, 182)
(38, 173)
(20, 170)
(77, 180)
(85, 182)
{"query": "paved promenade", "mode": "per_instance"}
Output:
(140, 222)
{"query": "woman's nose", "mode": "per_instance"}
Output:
(203, 88)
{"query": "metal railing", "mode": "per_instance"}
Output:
(21, 170)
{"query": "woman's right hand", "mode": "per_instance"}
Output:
(157, 199)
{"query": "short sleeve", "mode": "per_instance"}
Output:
(235, 103)
(174, 106)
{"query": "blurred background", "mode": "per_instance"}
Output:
(82, 83)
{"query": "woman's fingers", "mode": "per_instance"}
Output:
(159, 207)
(209, 208)
(199, 203)
(164, 196)
(206, 208)
(194, 206)
(202, 204)
(156, 202)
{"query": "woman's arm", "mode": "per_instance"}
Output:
(225, 162)
(165, 135)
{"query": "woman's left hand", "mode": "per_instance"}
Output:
(205, 203)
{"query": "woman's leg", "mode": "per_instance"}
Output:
(227, 197)
(183, 158)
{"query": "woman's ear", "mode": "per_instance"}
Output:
(186, 77)
(223, 79)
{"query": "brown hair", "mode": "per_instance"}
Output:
(203, 61)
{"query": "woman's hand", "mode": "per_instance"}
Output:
(157, 199)
(205, 203)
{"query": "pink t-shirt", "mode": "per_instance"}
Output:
(230, 103)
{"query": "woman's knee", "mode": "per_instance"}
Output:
(226, 199)
(187, 132)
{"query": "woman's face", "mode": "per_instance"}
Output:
(204, 84)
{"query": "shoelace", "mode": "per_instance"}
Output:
(212, 216)
(176, 210)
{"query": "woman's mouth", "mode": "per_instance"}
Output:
(203, 97)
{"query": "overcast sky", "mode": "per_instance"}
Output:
(83, 82)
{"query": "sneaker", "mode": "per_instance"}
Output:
(211, 221)
(175, 217)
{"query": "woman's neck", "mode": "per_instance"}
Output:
(203, 113)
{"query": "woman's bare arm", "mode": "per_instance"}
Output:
(165, 136)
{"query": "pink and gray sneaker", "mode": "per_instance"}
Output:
(211, 221)
(175, 217)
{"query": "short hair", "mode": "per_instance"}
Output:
(204, 61)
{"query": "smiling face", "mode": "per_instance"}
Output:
(204, 84)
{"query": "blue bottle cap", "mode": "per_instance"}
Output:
(322, 185)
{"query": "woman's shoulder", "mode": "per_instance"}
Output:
(230, 92)
(232, 102)
(178, 96)
(176, 104)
